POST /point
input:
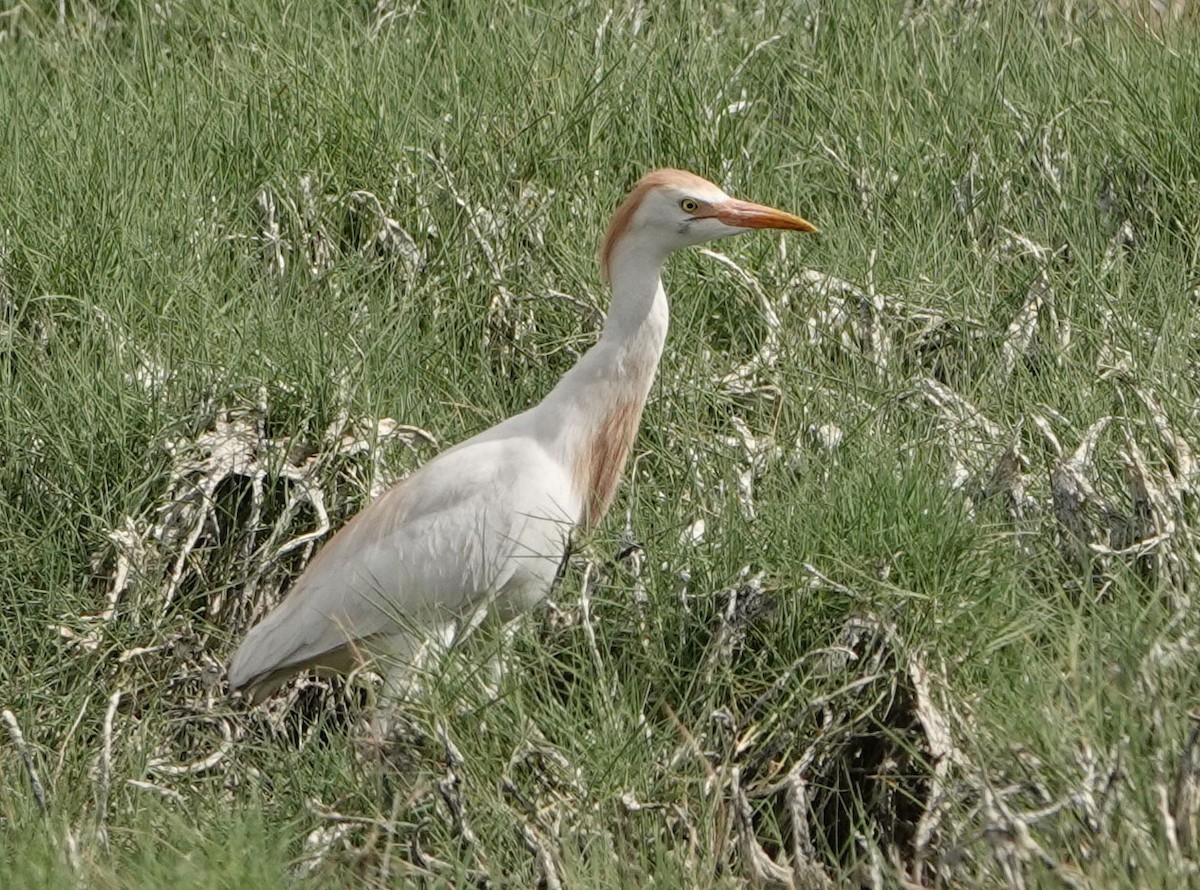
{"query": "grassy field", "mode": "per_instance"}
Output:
(898, 591)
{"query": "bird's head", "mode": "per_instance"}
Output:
(671, 209)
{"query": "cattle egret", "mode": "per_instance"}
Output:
(485, 525)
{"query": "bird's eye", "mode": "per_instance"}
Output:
(689, 205)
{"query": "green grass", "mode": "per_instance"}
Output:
(141, 302)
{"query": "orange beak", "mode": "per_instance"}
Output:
(747, 215)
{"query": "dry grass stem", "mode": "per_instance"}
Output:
(18, 739)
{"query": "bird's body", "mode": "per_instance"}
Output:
(484, 525)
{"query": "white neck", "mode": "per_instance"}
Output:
(622, 365)
(639, 304)
(591, 417)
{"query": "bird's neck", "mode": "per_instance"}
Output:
(598, 403)
(639, 304)
(622, 365)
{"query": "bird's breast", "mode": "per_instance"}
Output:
(597, 466)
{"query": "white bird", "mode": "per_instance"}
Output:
(485, 525)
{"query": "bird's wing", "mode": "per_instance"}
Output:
(485, 516)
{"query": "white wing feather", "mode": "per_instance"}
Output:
(486, 520)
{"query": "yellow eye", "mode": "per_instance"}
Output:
(689, 205)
